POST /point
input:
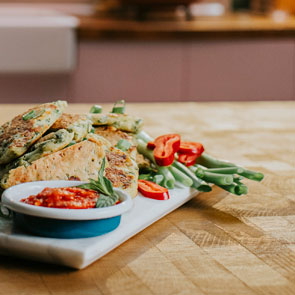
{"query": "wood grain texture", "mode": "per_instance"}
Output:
(237, 26)
(216, 243)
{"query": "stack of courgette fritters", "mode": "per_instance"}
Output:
(46, 144)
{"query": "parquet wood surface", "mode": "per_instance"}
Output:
(215, 244)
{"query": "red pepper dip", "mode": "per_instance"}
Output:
(64, 197)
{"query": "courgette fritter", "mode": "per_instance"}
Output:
(122, 171)
(19, 134)
(80, 161)
(79, 125)
(122, 122)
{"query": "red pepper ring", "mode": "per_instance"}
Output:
(150, 145)
(189, 147)
(152, 190)
(187, 159)
(165, 148)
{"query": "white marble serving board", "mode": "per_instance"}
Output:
(79, 253)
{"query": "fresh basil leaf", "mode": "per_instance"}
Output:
(101, 186)
(87, 186)
(101, 171)
(109, 186)
(103, 201)
(106, 201)
(104, 186)
(106, 183)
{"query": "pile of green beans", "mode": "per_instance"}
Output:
(208, 170)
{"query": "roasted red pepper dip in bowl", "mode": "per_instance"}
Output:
(64, 198)
(58, 209)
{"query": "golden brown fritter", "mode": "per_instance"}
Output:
(112, 134)
(80, 161)
(17, 135)
(122, 122)
(80, 125)
(122, 171)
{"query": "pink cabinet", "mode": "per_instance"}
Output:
(137, 71)
(196, 70)
(241, 70)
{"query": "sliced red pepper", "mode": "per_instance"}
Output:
(189, 147)
(187, 159)
(150, 145)
(152, 190)
(165, 148)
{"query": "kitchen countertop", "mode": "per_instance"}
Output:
(215, 244)
(231, 26)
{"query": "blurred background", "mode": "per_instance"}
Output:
(147, 50)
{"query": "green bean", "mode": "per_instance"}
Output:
(211, 162)
(227, 170)
(181, 177)
(119, 109)
(253, 175)
(169, 180)
(216, 178)
(143, 138)
(242, 189)
(207, 169)
(194, 168)
(142, 149)
(147, 176)
(158, 178)
(96, 109)
(238, 178)
(198, 183)
(236, 189)
(142, 135)
(198, 166)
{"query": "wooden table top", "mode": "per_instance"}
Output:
(215, 244)
(237, 26)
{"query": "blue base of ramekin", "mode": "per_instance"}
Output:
(66, 229)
